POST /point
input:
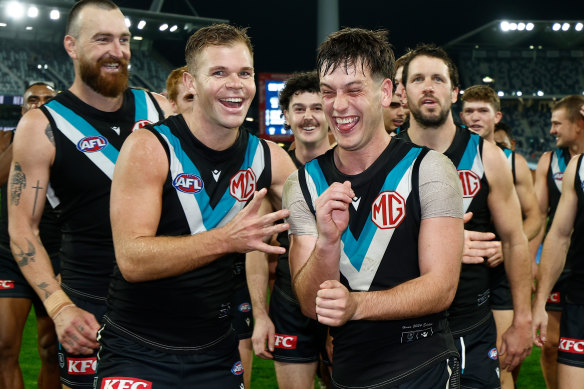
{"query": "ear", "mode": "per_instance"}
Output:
(498, 116)
(386, 92)
(188, 83)
(455, 95)
(70, 44)
(285, 112)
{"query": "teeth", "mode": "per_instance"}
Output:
(308, 128)
(346, 120)
(233, 99)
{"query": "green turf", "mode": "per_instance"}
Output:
(263, 376)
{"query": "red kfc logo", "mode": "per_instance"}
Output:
(243, 185)
(81, 366)
(285, 341)
(388, 210)
(6, 284)
(574, 346)
(125, 383)
(471, 183)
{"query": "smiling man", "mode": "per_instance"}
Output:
(201, 181)
(70, 145)
(375, 225)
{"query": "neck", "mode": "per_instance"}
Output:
(577, 147)
(437, 138)
(306, 151)
(352, 162)
(219, 138)
(95, 99)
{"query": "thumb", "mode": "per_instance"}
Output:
(467, 217)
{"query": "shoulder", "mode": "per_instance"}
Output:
(163, 103)
(282, 164)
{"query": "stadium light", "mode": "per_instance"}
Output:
(173, 28)
(556, 27)
(28, 28)
(519, 93)
(540, 93)
(487, 79)
(3, 24)
(513, 26)
(504, 26)
(55, 14)
(521, 26)
(128, 22)
(578, 26)
(500, 93)
(141, 24)
(163, 27)
(137, 38)
(33, 12)
(565, 26)
(15, 10)
(529, 26)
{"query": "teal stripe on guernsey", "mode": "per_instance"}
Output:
(211, 216)
(508, 152)
(109, 151)
(356, 249)
(470, 153)
(561, 162)
(141, 108)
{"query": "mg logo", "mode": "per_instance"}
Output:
(140, 124)
(388, 210)
(471, 183)
(243, 185)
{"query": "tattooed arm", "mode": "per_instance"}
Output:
(33, 155)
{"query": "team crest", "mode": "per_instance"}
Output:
(140, 124)
(188, 183)
(493, 354)
(388, 210)
(91, 144)
(243, 185)
(471, 183)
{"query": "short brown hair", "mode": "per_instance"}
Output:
(482, 93)
(72, 25)
(172, 82)
(432, 51)
(571, 104)
(214, 35)
(357, 46)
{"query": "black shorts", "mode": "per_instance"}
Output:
(571, 348)
(241, 312)
(555, 301)
(126, 363)
(299, 339)
(78, 371)
(13, 284)
(501, 298)
(443, 374)
(479, 361)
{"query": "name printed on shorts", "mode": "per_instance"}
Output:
(125, 383)
(574, 346)
(6, 284)
(285, 341)
(81, 366)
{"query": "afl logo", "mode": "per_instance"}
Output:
(471, 183)
(245, 307)
(237, 368)
(188, 183)
(243, 185)
(558, 176)
(493, 354)
(140, 124)
(91, 144)
(388, 210)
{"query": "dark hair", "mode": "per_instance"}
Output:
(571, 104)
(48, 84)
(504, 127)
(172, 82)
(433, 51)
(72, 27)
(214, 35)
(298, 83)
(482, 93)
(401, 61)
(350, 46)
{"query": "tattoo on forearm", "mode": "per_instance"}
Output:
(22, 257)
(36, 195)
(43, 286)
(17, 184)
(49, 134)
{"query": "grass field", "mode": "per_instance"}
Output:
(263, 376)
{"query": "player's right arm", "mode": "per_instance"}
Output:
(33, 155)
(555, 248)
(136, 205)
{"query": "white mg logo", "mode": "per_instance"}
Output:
(388, 210)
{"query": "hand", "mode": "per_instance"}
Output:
(539, 325)
(497, 258)
(332, 211)
(249, 231)
(77, 330)
(516, 345)
(263, 337)
(477, 245)
(335, 305)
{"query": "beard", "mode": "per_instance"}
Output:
(429, 120)
(108, 85)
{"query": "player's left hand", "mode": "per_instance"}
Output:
(335, 305)
(516, 345)
(497, 258)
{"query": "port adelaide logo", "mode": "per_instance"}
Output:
(92, 144)
(188, 183)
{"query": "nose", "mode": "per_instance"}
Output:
(340, 102)
(233, 81)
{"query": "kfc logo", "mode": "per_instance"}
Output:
(388, 210)
(285, 341)
(574, 346)
(125, 383)
(554, 297)
(81, 366)
(243, 185)
(471, 183)
(6, 284)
